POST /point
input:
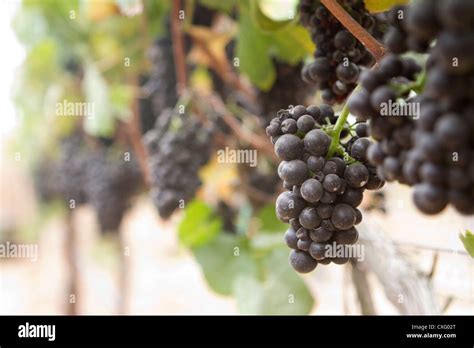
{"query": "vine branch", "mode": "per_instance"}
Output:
(223, 70)
(371, 44)
(257, 142)
(178, 47)
(133, 132)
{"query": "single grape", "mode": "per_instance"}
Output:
(293, 172)
(324, 210)
(320, 235)
(289, 147)
(309, 218)
(430, 199)
(317, 250)
(359, 149)
(356, 174)
(316, 142)
(302, 262)
(291, 239)
(332, 183)
(312, 190)
(346, 237)
(289, 126)
(315, 163)
(288, 206)
(343, 216)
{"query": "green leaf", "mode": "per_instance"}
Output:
(252, 51)
(292, 44)
(468, 241)
(382, 5)
(224, 259)
(268, 221)
(263, 22)
(279, 10)
(199, 225)
(256, 48)
(96, 90)
(243, 218)
(121, 97)
(219, 5)
(282, 292)
(264, 242)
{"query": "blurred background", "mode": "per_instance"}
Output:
(123, 200)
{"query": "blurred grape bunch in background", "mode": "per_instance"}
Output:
(216, 234)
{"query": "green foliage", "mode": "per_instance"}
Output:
(223, 260)
(96, 91)
(256, 47)
(219, 5)
(281, 292)
(382, 5)
(263, 22)
(254, 270)
(199, 225)
(268, 222)
(468, 241)
(244, 218)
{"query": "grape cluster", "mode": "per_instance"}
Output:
(339, 57)
(178, 147)
(390, 122)
(159, 88)
(99, 176)
(322, 194)
(442, 158)
(435, 151)
(112, 182)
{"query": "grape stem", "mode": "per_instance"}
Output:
(178, 47)
(335, 133)
(371, 44)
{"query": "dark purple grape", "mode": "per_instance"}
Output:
(298, 111)
(288, 206)
(362, 130)
(303, 244)
(332, 183)
(293, 172)
(352, 196)
(359, 149)
(343, 216)
(302, 262)
(430, 199)
(346, 237)
(309, 218)
(289, 147)
(288, 126)
(291, 239)
(305, 123)
(344, 40)
(315, 163)
(356, 175)
(320, 235)
(324, 210)
(312, 190)
(317, 250)
(316, 142)
(328, 197)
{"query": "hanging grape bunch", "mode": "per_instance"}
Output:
(323, 191)
(178, 147)
(339, 57)
(433, 150)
